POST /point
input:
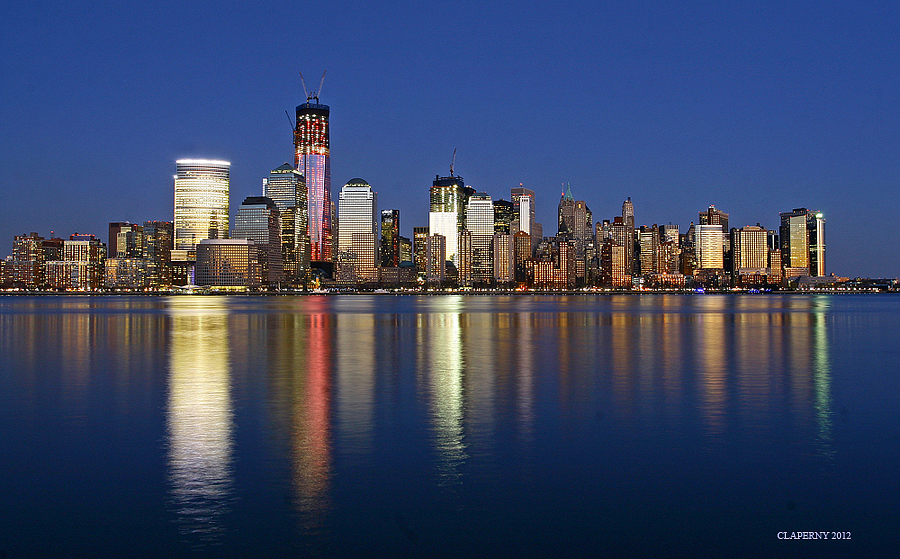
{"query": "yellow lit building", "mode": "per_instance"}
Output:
(201, 201)
(228, 263)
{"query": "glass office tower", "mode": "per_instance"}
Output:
(390, 238)
(201, 201)
(312, 159)
(286, 186)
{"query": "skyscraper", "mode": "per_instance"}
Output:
(712, 216)
(504, 216)
(480, 214)
(613, 272)
(114, 228)
(524, 201)
(794, 239)
(650, 258)
(435, 259)
(566, 211)
(464, 259)
(359, 227)
(522, 248)
(815, 224)
(157, 248)
(628, 212)
(524, 210)
(201, 201)
(406, 250)
(710, 255)
(390, 238)
(503, 251)
(259, 220)
(751, 253)
(286, 186)
(802, 235)
(480, 222)
(312, 158)
(628, 222)
(447, 214)
(583, 221)
(125, 240)
(27, 264)
(420, 238)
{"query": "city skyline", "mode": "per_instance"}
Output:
(756, 110)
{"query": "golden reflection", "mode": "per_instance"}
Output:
(439, 333)
(355, 380)
(620, 343)
(710, 335)
(754, 341)
(478, 339)
(647, 342)
(135, 340)
(524, 347)
(799, 380)
(77, 332)
(560, 323)
(670, 338)
(200, 416)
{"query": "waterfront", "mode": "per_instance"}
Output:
(646, 425)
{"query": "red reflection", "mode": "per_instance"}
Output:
(312, 411)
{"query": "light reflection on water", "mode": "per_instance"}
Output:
(522, 366)
(441, 350)
(355, 372)
(447, 399)
(199, 415)
(311, 376)
(822, 379)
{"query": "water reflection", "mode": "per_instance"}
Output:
(822, 376)
(759, 358)
(355, 381)
(709, 333)
(200, 416)
(441, 351)
(478, 340)
(327, 415)
(311, 412)
(523, 349)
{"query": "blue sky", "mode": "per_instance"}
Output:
(757, 108)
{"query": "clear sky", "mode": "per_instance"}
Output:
(757, 108)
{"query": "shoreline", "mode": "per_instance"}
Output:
(468, 293)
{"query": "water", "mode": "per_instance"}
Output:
(617, 426)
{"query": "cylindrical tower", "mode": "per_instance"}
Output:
(201, 201)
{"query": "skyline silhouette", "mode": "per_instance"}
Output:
(756, 109)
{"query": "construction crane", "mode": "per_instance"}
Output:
(303, 83)
(310, 95)
(453, 162)
(290, 120)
